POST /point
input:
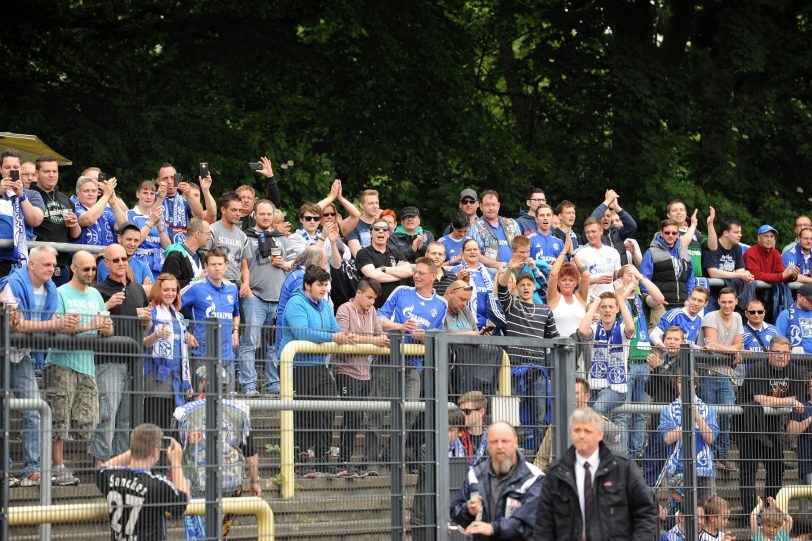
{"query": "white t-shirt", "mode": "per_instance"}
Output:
(600, 262)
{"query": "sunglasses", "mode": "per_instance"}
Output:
(381, 229)
(311, 218)
(755, 312)
(468, 201)
(87, 269)
(670, 233)
(117, 260)
(328, 214)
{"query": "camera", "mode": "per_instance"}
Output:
(255, 166)
(204, 170)
(178, 178)
(102, 177)
(14, 175)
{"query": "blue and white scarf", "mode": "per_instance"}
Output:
(704, 453)
(20, 240)
(608, 368)
(175, 215)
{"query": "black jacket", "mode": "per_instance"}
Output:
(520, 492)
(625, 504)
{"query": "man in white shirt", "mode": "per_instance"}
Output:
(600, 260)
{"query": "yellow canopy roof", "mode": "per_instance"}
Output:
(30, 147)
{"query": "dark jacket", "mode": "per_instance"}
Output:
(526, 221)
(177, 263)
(615, 236)
(404, 240)
(671, 270)
(624, 503)
(522, 488)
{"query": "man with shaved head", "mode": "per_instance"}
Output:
(70, 375)
(122, 296)
(500, 495)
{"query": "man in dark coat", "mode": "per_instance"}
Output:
(589, 493)
(500, 495)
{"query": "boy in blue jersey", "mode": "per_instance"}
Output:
(214, 297)
(414, 310)
(456, 237)
(796, 321)
(544, 245)
(689, 318)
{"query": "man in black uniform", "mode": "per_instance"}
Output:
(378, 262)
(137, 499)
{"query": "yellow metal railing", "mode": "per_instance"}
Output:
(286, 392)
(790, 492)
(97, 511)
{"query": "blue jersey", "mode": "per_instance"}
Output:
(544, 247)
(802, 261)
(140, 271)
(405, 303)
(207, 300)
(453, 248)
(100, 233)
(767, 332)
(796, 324)
(678, 317)
(505, 252)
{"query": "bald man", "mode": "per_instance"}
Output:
(70, 375)
(500, 495)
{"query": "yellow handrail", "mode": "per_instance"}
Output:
(286, 392)
(790, 492)
(97, 511)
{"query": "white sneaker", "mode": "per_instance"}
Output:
(63, 477)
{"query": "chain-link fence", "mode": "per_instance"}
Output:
(352, 443)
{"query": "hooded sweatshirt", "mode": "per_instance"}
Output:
(304, 319)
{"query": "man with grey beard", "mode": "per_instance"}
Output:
(500, 495)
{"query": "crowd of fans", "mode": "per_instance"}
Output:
(348, 275)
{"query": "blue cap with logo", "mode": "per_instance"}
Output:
(766, 228)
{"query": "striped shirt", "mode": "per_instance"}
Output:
(527, 320)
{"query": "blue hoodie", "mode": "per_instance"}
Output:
(304, 319)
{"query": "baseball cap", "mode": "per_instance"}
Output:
(468, 192)
(806, 291)
(522, 275)
(405, 212)
(126, 226)
(765, 228)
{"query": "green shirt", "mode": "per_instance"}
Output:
(87, 305)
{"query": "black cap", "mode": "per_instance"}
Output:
(126, 226)
(405, 212)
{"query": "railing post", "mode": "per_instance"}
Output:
(439, 351)
(214, 511)
(687, 369)
(5, 422)
(397, 436)
(563, 387)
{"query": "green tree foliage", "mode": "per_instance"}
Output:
(698, 99)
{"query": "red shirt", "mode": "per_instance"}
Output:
(765, 265)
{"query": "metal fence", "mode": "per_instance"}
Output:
(373, 459)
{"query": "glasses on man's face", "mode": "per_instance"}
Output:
(328, 214)
(381, 229)
(116, 260)
(311, 218)
(670, 233)
(468, 411)
(755, 312)
(87, 269)
(468, 201)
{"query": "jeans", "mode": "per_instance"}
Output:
(532, 407)
(656, 453)
(24, 385)
(607, 400)
(112, 434)
(719, 390)
(258, 314)
(638, 377)
(350, 388)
